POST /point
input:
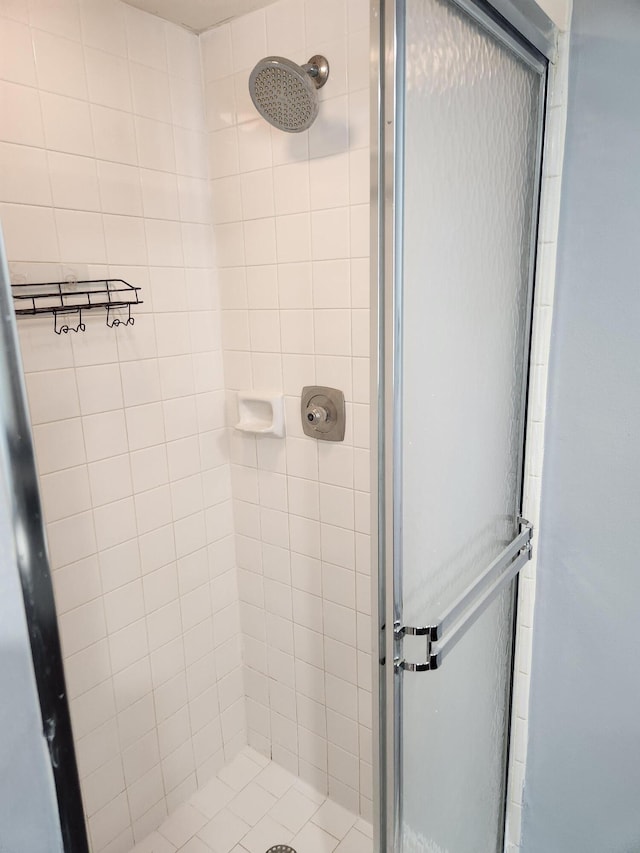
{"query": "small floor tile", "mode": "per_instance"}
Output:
(364, 827)
(154, 843)
(275, 779)
(293, 810)
(355, 842)
(252, 803)
(195, 845)
(265, 834)
(312, 839)
(334, 819)
(239, 772)
(212, 798)
(310, 792)
(224, 831)
(182, 824)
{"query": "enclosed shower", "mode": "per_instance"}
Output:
(283, 413)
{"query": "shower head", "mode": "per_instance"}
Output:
(286, 94)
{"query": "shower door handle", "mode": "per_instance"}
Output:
(444, 634)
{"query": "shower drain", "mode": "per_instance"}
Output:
(281, 848)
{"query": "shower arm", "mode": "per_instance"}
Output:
(318, 69)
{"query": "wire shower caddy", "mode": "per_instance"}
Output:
(66, 299)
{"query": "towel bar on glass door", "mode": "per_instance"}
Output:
(443, 635)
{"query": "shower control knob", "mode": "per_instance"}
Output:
(323, 413)
(317, 415)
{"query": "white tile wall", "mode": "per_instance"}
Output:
(291, 241)
(103, 172)
(540, 347)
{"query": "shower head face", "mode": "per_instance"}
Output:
(285, 94)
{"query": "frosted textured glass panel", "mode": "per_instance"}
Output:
(455, 728)
(471, 118)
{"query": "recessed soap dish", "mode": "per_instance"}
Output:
(260, 413)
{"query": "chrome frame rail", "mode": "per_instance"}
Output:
(445, 633)
(386, 204)
(380, 753)
(29, 546)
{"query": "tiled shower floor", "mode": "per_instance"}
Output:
(253, 804)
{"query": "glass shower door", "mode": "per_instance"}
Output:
(469, 98)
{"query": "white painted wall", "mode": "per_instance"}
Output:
(583, 776)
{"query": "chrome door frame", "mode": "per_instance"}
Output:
(527, 30)
(29, 547)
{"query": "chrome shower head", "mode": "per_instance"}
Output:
(285, 93)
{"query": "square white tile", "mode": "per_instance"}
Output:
(239, 772)
(224, 831)
(293, 810)
(334, 819)
(182, 825)
(312, 839)
(252, 803)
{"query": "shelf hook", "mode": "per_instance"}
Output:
(65, 327)
(117, 321)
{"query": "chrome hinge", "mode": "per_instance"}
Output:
(430, 633)
(527, 529)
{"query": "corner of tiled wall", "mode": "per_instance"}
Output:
(291, 223)
(103, 173)
(540, 348)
